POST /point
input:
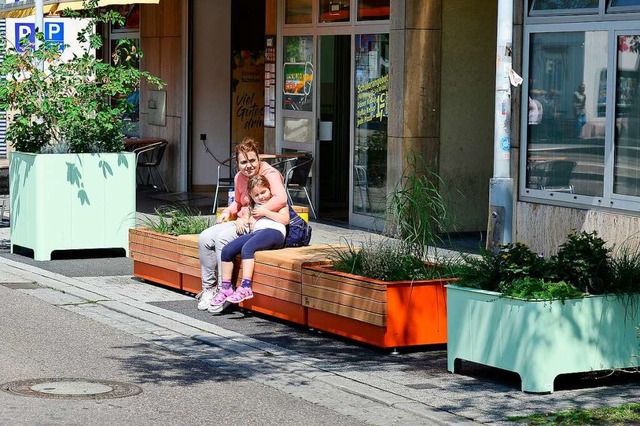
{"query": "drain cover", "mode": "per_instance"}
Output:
(71, 388)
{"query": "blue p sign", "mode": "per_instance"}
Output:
(53, 32)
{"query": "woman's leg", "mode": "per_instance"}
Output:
(208, 242)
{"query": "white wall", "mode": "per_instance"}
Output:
(211, 87)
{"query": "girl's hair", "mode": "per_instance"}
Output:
(254, 182)
(246, 146)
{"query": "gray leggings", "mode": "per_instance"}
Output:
(210, 244)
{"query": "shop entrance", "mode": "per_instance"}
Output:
(334, 112)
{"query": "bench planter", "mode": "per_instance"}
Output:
(540, 339)
(383, 314)
(71, 201)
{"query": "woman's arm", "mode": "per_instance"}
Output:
(281, 216)
(278, 194)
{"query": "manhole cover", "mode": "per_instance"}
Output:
(71, 388)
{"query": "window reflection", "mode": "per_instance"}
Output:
(370, 153)
(297, 12)
(566, 112)
(564, 4)
(615, 3)
(334, 10)
(627, 135)
(373, 10)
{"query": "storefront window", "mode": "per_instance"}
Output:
(297, 72)
(370, 154)
(334, 10)
(373, 10)
(564, 4)
(627, 135)
(131, 15)
(297, 12)
(622, 3)
(567, 112)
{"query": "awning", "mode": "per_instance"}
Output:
(23, 8)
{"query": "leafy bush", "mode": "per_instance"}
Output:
(386, 260)
(79, 102)
(177, 220)
(583, 265)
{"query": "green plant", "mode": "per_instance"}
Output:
(78, 102)
(416, 210)
(385, 260)
(583, 260)
(177, 220)
(625, 268)
(529, 288)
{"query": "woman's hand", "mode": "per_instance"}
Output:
(242, 227)
(259, 211)
(223, 217)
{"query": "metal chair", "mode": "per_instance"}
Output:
(361, 182)
(149, 157)
(296, 179)
(224, 181)
(554, 175)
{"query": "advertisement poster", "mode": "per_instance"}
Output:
(372, 100)
(247, 97)
(270, 81)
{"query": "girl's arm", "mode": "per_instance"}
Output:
(281, 216)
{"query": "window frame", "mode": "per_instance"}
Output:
(608, 200)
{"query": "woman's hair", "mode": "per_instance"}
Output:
(246, 146)
(254, 182)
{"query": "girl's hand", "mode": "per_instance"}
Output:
(258, 212)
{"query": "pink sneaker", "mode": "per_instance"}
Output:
(223, 294)
(241, 293)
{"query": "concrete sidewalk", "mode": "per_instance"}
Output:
(350, 380)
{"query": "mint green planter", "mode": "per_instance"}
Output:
(540, 339)
(71, 201)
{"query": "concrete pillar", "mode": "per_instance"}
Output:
(414, 83)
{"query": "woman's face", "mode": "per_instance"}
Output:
(248, 163)
(261, 194)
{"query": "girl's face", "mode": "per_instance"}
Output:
(248, 163)
(261, 194)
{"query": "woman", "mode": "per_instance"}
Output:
(212, 240)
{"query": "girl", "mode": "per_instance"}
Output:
(212, 240)
(266, 232)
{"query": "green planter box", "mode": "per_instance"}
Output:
(71, 201)
(540, 339)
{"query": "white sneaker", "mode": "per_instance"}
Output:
(216, 309)
(206, 297)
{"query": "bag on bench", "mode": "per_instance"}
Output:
(298, 231)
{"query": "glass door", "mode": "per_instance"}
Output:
(369, 179)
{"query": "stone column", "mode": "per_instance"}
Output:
(414, 83)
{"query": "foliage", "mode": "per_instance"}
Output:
(177, 220)
(583, 265)
(385, 260)
(79, 102)
(621, 415)
(416, 210)
(583, 261)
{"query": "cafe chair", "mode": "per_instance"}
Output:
(296, 179)
(148, 158)
(223, 181)
(554, 175)
(361, 183)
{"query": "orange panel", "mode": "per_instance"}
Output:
(191, 283)
(347, 327)
(156, 274)
(282, 309)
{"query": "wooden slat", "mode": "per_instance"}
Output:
(345, 299)
(345, 311)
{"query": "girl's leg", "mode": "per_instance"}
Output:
(226, 264)
(261, 240)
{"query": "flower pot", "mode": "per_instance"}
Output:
(383, 314)
(71, 201)
(541, 339)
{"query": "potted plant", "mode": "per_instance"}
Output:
(71, 184)
(382, 292)
(576, 311)
(165, 250)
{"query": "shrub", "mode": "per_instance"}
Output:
(177, 220)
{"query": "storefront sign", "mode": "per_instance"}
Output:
(372, 100)
(248, 96)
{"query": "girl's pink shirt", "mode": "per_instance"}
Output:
(278, 194)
